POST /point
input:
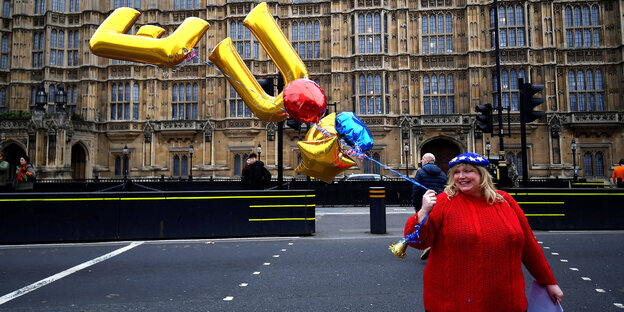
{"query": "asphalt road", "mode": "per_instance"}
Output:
(341, 268)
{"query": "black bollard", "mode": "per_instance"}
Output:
(377, 209)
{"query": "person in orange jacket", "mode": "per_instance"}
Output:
(618, 174)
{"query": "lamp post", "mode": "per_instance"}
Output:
(60, 99)
(41, 99)
(406, 150)
(573, 147)
(125, 168)
(191, 150)
(488, 147)
(259, 150)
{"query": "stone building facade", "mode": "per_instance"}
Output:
(413, 71)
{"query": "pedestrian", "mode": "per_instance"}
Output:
(618, 174)
(4, 171)
(25, 175)
(512, 173)
(255, 176)
(432, 177)
(480, 238)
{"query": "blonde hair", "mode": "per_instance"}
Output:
(486, 186)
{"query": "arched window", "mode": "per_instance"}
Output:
(237, 165)
(599, 165)
(176, 166)
(184, 166)
(588, 163)
(118, 166)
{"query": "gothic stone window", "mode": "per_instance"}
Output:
(238, 108)
(243, 41)
(37, 53)
(57, 47)
(509, 87)
(184, 103)
(510, 26)
(369, 33)
(593, 164)
(121, 100)
(437, 33)
(582, 26)
(438, 94)
(586, 90)
(306, 39)
(369, 96)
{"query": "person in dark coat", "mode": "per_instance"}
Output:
(253, 175)
(25, 175)
(432, 177)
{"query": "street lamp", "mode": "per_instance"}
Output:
(125, 169)
(406, 150)
(41, 99)
(60, 99)
(573, 147)
(259, 150)
(191, 167)
(488, 147)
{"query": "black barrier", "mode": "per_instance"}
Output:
(571, 209)
(377, 209)
(60, 217)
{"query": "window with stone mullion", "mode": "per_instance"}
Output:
(582, 26)
(438, 94)
(586, 90)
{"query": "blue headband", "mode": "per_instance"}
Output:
(469, 158)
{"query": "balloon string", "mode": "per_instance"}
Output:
(354, 151)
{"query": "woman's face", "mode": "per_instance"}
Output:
(467, 180)
(22, 161)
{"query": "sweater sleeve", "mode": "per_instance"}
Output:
(532, 254)
(430, 227)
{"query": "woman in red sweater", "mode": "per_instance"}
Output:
(480, 238)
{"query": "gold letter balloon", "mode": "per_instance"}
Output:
(110, 39)
(279, 49)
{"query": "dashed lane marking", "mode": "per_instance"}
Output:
(243, 284)
(585, 278)
(228, 298)
(619, 305)
(256, 273)
(600, 290)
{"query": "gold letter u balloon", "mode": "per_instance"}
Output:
(110, 39)
(266, 30)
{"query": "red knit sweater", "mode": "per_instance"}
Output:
(477, 252)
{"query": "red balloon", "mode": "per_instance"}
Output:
(305, 101)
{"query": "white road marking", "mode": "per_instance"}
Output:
(563, 260)
(546, 247)
(283, 250)
(600, 290)
(58, 276)
(540, 242)
(290, 244)
(619, 305)
(574, 269)
(586, 278)
(267, 263)
(256, 273)
(555, 253)
(243, 284)
(228, 298)
(275, 256)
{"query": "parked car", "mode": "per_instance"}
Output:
(364, 177)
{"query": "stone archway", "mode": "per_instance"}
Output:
(443, 149)
(78, 162)
(12, 153)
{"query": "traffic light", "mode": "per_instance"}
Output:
(268, 85)
(485, 118)
(293, 124)
(529, 102)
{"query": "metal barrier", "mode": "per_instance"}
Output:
(90, 216)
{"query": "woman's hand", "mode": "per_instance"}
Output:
(428, 201)
(555, 293)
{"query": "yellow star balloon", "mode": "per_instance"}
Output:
(321, 156)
